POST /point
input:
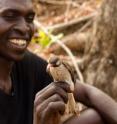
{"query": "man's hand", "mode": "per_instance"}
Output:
(62, 71)
(50, 102)
(96, 99)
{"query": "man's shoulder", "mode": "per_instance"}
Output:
(31, 63)
(31, 58)
(32, 68)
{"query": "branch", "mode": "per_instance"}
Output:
(68, 51)
(58, 27)
(60, 2)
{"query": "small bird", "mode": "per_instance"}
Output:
(62, 71)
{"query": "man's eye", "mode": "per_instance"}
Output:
(30, 18)
(10, 15)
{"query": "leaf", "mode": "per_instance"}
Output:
(44, 39)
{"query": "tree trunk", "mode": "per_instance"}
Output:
(101, 64)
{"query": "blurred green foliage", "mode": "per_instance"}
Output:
(43, 39)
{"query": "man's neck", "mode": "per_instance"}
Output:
(5, 68)
(5, 79)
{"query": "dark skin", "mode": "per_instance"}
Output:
(16, 30)
(101, 108)
(98, 100)
(16, 22)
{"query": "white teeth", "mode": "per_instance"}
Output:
(18, 42)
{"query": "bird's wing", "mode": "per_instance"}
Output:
(71, 70)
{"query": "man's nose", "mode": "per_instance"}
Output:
(22, 27)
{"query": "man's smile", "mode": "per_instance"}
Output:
(18, 43)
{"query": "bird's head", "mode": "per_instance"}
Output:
(54, 61)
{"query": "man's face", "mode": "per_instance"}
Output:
(16, 28)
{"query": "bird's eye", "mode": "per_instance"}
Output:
(58, 63)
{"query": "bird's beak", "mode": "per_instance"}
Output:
(48, 68)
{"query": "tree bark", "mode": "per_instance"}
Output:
(101, 62)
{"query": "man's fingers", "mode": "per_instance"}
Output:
(44, 89)
(40, 107)
(55, 107)
(50, 101)
(62, 85)
(52, 110)
(49, 91)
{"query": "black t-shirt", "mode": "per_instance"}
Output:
(28, 77)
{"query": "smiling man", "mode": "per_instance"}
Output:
(16, 22)
(22, 74)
